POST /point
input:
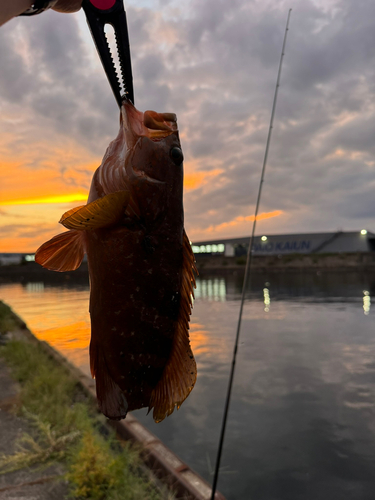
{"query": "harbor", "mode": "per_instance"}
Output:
(302, 407)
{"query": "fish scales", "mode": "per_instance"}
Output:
(141, 268)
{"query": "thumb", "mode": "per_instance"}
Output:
(67, 6)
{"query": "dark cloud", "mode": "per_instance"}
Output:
(214, 63)
(14, 73)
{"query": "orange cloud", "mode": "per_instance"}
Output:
(342, 153)
(27, 238)
(194, 180)
(20, 185)
(238, 220)
(24, 228)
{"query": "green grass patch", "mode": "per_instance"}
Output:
(8, 320)
(67, 429)
(96, 473)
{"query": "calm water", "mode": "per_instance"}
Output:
(301, 422)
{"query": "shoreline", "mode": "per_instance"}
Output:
(164, 465)
(208, 264)
(337, 262)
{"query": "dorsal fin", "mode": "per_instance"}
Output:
(63, 252)
(180, 372)
(102, 212)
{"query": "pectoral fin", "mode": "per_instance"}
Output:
(180, 372)
(102, 212)
(63, 252)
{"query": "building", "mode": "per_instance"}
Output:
(9, 259)
(282, 244)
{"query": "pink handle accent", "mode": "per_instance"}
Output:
(103, 4)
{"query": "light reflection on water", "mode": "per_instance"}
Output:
(57, 314)
(211, 289)
(301, 422)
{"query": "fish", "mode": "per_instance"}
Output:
(141, 268)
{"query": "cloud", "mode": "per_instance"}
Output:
(241, 219)
(214, 63)
(193, 180)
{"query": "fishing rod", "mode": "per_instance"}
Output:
(247, 275)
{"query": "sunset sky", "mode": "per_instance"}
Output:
(213, 63)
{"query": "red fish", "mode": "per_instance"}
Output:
(141, 268)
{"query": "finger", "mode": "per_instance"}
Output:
(67, 6)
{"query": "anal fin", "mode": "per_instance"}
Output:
(63, 252)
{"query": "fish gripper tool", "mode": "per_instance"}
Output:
(98, 14)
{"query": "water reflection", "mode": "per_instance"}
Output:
(301, 421)
(34, 287)
(211, 289)
(266, 299)
(57, 314)
(366, 302)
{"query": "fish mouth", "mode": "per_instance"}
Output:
(149, 124)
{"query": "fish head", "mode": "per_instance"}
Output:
(153, 160)
(153, 144)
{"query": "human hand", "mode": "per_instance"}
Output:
(10, 9)
(67, 5)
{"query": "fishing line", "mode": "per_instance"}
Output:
(247, 275)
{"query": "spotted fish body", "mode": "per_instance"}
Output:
(141, 268)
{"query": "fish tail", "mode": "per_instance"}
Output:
(111, 399)
(63, 252)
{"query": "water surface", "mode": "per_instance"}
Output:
(301, 422)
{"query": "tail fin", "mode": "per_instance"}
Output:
(111, 399)
(63, 252)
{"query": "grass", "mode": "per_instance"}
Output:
(66, 428)
(8, 320)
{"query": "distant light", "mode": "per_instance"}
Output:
(29, 258)
(264, 238)
(208, 248)
(364, 231)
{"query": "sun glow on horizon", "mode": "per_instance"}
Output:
(64, 198)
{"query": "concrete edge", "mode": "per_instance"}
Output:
(168, 468)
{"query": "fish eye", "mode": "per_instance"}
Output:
(176, 155)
